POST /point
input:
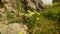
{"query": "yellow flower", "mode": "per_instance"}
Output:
(37, 18)
(30, 13)
(38, 13)
(20, 33)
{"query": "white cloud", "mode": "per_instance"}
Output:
(47, 1)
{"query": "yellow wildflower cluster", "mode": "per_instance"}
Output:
(38, 13)
(33, 13)
(20, 33)
(37, 18)
(30, 13)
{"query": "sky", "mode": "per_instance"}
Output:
(47, 1)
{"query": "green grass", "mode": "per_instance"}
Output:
(47, 24)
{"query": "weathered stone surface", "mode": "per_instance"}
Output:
(13, 28)
(8, 8)
(32, 4)
(5, 7)
(3, 29)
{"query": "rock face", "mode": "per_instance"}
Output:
(13, 28)
(32, 4)
(7, 6)
(7, 10)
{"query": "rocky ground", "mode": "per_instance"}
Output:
(5, 26)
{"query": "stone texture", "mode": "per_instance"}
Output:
(5, 7)
(32, 4)
(8, 8)
(13, 28)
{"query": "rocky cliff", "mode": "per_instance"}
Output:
(8, 9)
(32, 4)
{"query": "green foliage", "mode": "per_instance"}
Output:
(56, 4)
(52, 13)
(39, 32)
(56, 0)
(50, 16)
(32, 19)
(13, 17)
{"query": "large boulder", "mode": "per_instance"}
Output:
(7, 6)
(32, 4)
(8, 9)
(13, 28)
